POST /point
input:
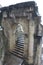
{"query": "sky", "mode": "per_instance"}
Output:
(10, 2)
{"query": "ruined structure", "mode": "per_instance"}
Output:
(23, 41)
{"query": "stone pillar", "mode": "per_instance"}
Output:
(9, 28)
(38, 34)
(12, 38)
(31, 42)
(39, 54)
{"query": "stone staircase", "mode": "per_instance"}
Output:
(19, 48)
(16, 57)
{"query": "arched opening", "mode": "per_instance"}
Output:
(19, 47)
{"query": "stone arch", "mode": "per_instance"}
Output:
(19, 34)
(19, 30)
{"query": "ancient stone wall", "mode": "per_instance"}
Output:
(27, 17)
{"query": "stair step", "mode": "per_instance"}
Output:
(21, 56)
(21, 52)
(19, 49)
(21, 41)
(16, 54)
(19, 45)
